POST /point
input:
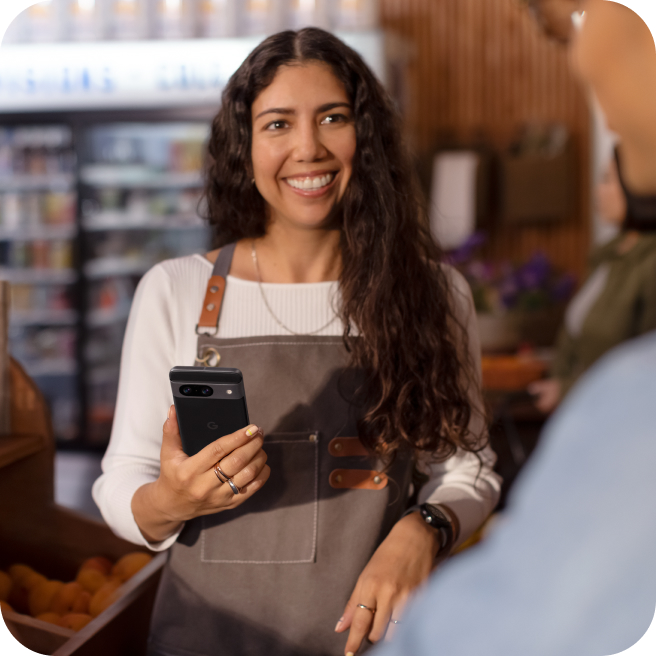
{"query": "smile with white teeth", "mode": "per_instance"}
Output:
(311, 183)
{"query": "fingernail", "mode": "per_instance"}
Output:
(339, 621)
(170, 412)
(350, 653)
(251, 430)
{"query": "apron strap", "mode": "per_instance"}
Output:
(209, 316)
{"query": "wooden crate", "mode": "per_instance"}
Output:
(510, 372)
(55, 541)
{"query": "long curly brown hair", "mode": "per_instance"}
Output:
(407, 343)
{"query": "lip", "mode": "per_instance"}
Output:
(312, 193)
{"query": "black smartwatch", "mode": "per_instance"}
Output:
(438, 520)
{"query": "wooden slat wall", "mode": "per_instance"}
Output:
(481, 69)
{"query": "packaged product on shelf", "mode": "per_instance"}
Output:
(21, 297)
(40, 254)
(128, 19)
(61, 254)
(10, 211)
(31, 214)
(186, 156)
(355, 15)
(59, 208)
(137, 205)
(260, 17)
(84, 20)
(174, 19)
(218, 18)
(6, 153)
(18, 254)
(188, 202)
(304, 13)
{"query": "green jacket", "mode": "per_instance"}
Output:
(625, 309)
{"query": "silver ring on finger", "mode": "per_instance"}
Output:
(233, 487)
(371, 610)
(220, 474)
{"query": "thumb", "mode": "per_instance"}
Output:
(171, 441)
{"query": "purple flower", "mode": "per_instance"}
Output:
(563, 287)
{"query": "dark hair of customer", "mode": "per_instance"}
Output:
(394, 295)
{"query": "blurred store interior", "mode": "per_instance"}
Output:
(105, 107)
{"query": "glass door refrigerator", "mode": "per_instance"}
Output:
(140, 189)
(39, 234)
(87, 205)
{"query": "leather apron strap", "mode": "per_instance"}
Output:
(208, 324)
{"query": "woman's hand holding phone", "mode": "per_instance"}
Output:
(187, 487)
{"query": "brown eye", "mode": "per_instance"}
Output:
(276, 125)
(334, 118)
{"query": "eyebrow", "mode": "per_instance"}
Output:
(285, 110)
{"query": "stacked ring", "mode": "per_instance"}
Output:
(220, 474)
(224, 478)
(233, 487)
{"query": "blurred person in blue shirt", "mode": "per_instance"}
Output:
(570, 570)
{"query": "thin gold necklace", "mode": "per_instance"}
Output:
(268, 307)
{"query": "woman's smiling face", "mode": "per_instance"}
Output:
(303, 143)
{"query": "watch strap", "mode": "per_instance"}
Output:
(438, 519)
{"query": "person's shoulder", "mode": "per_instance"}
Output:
(454, 278)
(178, 273)
(458, 288)
(627, 371)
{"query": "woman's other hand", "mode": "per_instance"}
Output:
(547, 394)
(187, 487)
(401, 563)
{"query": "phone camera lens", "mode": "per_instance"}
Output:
(186, 390)
(206, 391)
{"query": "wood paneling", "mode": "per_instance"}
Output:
(477, 71)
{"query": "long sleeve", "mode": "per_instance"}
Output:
(562, 367)
(466, 485)
(132, 458)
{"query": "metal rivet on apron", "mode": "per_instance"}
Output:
(213, 290)
(337, 446)
(377, 480)
(313, 437)
(338, 478)
(210, 307)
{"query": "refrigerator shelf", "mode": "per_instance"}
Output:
(39, 276)
(106, 316)
(44, 317)
(30, 182)
(54, 367)
(122, 221)
(107, 267)
(137, 177)
(39, 232)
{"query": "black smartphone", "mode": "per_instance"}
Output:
(209, 402)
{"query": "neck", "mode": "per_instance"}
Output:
(286, 255)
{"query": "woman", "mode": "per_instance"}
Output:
(613, 53)
(344, 325)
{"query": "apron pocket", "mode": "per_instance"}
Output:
(278, 524)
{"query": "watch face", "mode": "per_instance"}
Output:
(435, 517)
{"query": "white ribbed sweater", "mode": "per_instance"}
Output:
(161, 334)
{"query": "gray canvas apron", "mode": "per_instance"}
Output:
(272, 577)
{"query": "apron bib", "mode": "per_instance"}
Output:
(272, 577)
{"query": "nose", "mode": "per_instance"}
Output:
(308, 146)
